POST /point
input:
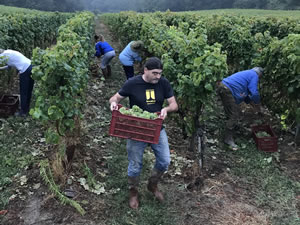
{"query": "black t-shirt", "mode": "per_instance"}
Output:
(147, 96)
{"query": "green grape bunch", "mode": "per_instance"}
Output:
(138, 112)
(262, 134)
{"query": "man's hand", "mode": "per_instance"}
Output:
(163, 113)
(113, 106)
(171, 108)
(114, 100)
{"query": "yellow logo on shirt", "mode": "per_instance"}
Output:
(150, 96)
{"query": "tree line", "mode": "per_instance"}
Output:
(150, 5)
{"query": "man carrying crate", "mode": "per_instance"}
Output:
(148, 91)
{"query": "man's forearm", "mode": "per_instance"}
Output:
(114, 99)
(173, 107)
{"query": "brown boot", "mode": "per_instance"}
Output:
(108, 71)
(105, 73)
(228, 139)
(133, 183)
(152, 185)
(133, 198)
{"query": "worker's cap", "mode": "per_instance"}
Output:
(137, 45)
(153, 63)
(259, 70)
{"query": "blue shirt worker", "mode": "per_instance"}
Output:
(130, 55)
(17, 60)
(138, 89)
(103, 48)
(239, 87)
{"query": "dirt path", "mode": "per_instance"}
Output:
(214, 197)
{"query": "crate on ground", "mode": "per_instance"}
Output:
(8, 105)
(266, 144)
(135, 128)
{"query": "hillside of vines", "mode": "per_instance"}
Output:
(60, 166)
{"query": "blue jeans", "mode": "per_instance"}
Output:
(107, 57)
(135, 150)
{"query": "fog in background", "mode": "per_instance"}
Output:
(100, 6)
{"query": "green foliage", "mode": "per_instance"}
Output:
(235, 38)
(47, 5)
(51, 136)
(46, 174)
(23, 32)
(275, 190)
(281, 83)
(9, 10)
(91, 181)
(277, 27)
(62, 75)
